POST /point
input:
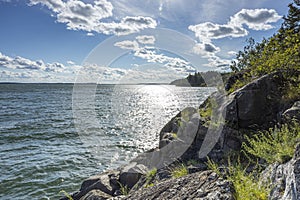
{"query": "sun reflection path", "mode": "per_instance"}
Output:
(107, 52)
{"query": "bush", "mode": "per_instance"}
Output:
(275, 145)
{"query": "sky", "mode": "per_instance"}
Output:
(113, 41)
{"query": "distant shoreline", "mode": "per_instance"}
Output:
(4, 83)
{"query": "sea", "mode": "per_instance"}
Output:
(50, 141)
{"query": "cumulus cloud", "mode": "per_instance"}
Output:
(207, 31)
(205, 48)
(145, 39)
(12, 75)
(126, 26)
(78, 15)
(256, 19)
(27, 64)
(173, 63)
(127, 44)
(55, 5)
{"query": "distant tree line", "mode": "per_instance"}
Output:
(197, 79)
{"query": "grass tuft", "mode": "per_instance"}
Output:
(179, 171)
(150, 177)
(124, 189)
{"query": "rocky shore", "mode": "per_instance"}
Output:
(216, 130)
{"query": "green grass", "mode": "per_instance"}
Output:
(124, 189)
(179, 171)
(275, 145)
(247, 186)
(149, 177)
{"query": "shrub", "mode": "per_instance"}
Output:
(275, 145)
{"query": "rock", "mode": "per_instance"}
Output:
(106, 182)
(167, 138)
(201, 185)
(131, 174)
(292, 113)
(285, 178)
(258, 103)
(95, 195)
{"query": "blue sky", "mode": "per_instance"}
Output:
(51, 40)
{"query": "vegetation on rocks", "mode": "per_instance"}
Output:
(150, 177)
(276, 145)
(179, 171)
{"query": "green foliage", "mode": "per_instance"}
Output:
(66, 194)
(213, 166)
(247, 186)
(280, 52)
(205, 112)
(239, 84)
(275, 145)
(150, 176)
(179, 171)
(124, 189)
(292, 91)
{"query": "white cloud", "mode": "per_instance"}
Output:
(13, 75)
(205, 49)
(232, 53)
(70, 62)
(90, 34)
(126, 26)
(173, 63)
(207, 31)
(127, 44)
(27, 64)
(145, 39)
(257, 19)
(78, 15)
(55, 5)
(215, 61)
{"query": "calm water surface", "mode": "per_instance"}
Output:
(43, 150)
